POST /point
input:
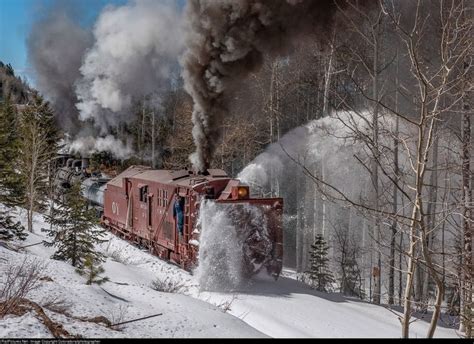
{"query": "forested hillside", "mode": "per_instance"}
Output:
(12, 86)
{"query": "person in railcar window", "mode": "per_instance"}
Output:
(178, 214)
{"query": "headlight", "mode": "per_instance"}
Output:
(243, 192)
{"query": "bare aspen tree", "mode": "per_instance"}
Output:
(371, 36)
(328, 74)
(467, 201)
(142, 132)
(391, 275)
(38, 145)
(153, 139)
(433, 84)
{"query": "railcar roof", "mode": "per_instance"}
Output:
(129, 172)
(181, 177)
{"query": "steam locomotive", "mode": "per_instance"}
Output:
(137, 205)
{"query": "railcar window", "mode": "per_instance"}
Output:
(144, 194)
(162, 198)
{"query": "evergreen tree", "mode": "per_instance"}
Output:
(319, 273)
(10, 183)
(38, 146)
(9, 229)
(73, 229)
(92, 269)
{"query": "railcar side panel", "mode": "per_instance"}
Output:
(115, 206)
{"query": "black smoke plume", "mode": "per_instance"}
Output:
(226, 40)
(56, 46)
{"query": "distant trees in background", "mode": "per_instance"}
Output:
(13, 87)
(10, 181)
(347, 258)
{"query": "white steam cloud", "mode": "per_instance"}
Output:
(136, 48)
(89, 144)
(92, 77)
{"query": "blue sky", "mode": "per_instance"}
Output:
(17, 16)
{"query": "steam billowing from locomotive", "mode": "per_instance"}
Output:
(226, 41)
(136, 47)
(133, 49)
(86, 145)
(91, 77)
(55, 49)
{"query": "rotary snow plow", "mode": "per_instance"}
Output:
(258, 224)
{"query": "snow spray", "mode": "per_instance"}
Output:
(234, 245)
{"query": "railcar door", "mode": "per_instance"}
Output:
(164, 207)
(141, 215)
(184, 193)
(150, 208)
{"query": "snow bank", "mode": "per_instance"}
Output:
(128, 295)
(285, 308)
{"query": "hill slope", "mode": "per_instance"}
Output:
(286, 308)
(12, 86)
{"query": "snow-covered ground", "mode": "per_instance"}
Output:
(285, 308)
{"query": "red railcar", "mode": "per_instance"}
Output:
(138, 206)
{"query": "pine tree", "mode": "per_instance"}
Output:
(38, 146)
(10, 183)
(9, 150)
(73, 229)
(9, 229)
(92, 269)
(319, 273)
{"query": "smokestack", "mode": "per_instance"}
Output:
(85, 163)
(76, 164)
